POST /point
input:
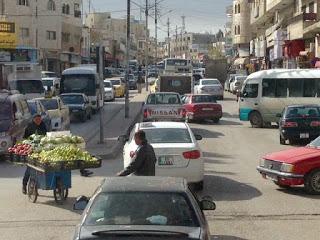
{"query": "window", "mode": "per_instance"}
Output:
(51, 35)
(235, 30)
(304, 9)
(24, 32)
(251, 90)
(65, 9)
(239, 8)
(238, 29)
(281, 88)
(66, 37)
(77, 12)
(23, 2)
(311, 7)
(268, 87)
(51, 5)
(295, 87)
(50, 104)
(236, 9)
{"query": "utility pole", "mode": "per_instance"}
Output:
(146, 48)
(169, 49)
(175, 52)
(2, 8)
(126, 108)
(156, 31)
(100, 67)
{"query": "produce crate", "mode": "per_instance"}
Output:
(56, 166)
(15, 158)
(91, 164)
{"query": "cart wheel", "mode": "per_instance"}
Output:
(60, 193)
(32, 190)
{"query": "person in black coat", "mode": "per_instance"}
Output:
(38, 127)
(144, 160)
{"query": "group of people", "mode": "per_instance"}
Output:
(142, 164)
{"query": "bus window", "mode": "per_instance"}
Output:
(295, 87)
(281, 89)
(268, 88)
(310, 88)
(251, 90)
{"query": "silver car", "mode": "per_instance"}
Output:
(143, 208)
(210, 86)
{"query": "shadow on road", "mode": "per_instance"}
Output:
(210, 157)
(298, 191)
(228, 115)
(10, 170)
(206, 133)
(225, 189)
(229, 122)
(67, 205)
(225, 237)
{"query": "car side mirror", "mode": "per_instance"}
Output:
(81, 203)
(198, 137)
(123, 138)
(207, 205)
(279, 115)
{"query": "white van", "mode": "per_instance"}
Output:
(265, 93)
(14, 119)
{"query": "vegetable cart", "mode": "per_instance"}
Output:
(59, 181)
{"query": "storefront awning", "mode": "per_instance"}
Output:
(241, 61)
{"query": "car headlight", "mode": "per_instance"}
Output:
(285, 167)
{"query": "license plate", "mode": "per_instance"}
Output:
(206, 109)
(304, 135)
(272, 177)
(76, 110)
(165, 160)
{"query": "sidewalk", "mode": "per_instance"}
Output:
(116, 126)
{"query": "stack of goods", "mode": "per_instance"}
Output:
(54, 153)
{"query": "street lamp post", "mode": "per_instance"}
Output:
(126, 109)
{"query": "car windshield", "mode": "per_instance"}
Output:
(72, 99)
(27, 86)
(165, 98)
(79, 83)
(168, 135)
(107, 84)
(302, 112)
(115, 82)
(32, 107)
(210, 82)
(50, 104)
(141, 208)
(203, 98)
(48, 75)
(48, 83)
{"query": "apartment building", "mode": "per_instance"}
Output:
(47, 31)
(112, 33)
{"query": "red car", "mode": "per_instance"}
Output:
(201, 107)
(296, 166)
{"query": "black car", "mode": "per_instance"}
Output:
(143, 208)
(79, 105)
(299, 122)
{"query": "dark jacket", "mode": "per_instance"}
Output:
(144, 162)
(33, 128)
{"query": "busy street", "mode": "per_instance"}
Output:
(248, 207)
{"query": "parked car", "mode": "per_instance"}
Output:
(58, 112)
(236, 85)
(176, 149)
(109, 92)
(14, 119)
(143, 208)
(201, 107)
(229, 80)
(133, 83)
(296, 166)
(36, 107)
(118, 87)
(79, 105)
(209, 86)
(163, 106)
(299, 122)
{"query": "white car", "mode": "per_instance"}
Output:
(51, 82)
(210, 86)
(109, 94)
(236, 85)
(58, 112)
(176, 148)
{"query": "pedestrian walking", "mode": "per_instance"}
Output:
(144, 160)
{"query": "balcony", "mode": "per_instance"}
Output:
(276, 5)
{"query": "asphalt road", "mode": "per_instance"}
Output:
(248, 207)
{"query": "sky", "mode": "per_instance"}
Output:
(200, 15)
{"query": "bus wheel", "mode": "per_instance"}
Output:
(256, 120)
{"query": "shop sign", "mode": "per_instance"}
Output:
(8, 38)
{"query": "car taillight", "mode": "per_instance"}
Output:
(195, 154)
(289, 124)
(145, 113)
(182, 112)
(315, 124)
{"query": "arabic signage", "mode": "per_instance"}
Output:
(8, 38)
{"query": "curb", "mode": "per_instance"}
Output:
(115, 150)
